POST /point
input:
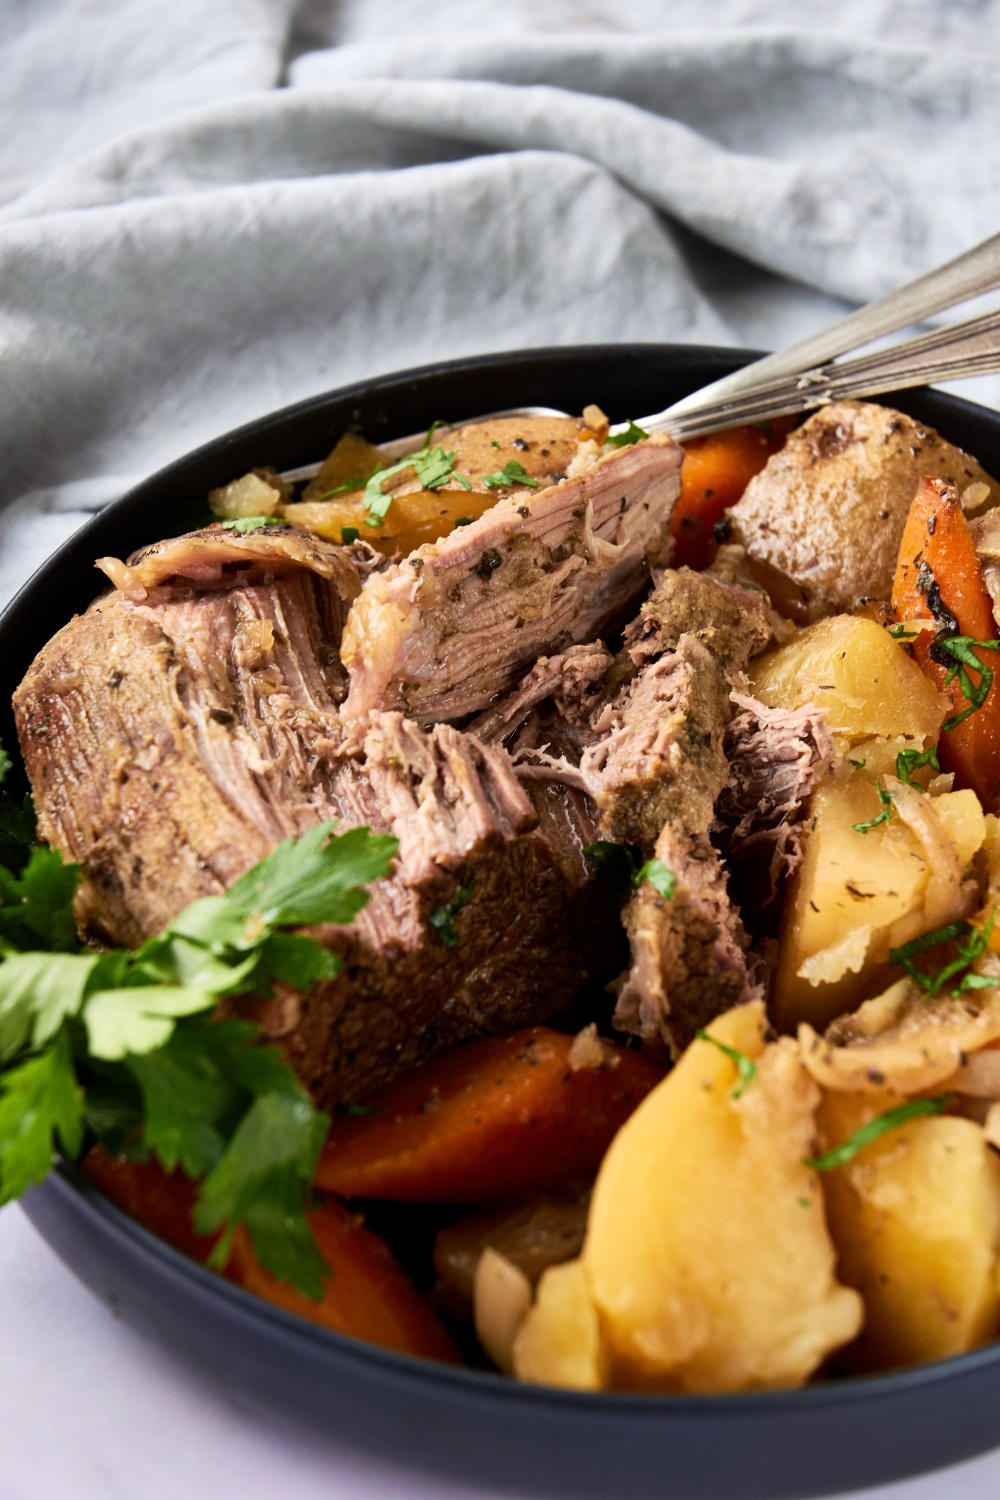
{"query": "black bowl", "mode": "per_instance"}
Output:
(463, 1423)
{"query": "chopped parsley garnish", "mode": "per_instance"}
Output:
(958, 654)
(881, 1125)
(360, 1111)
(880, 817)
(745, 1067)
(348, 535)
(351, 484)
(252, 523)
(662, 880)
(900, 633)
(495, 444)
(464, 521)
(619, 866)
(933, 984)
(124, 1044)
(513, 473)
(908, 761)
(632, 434)
(443, 919)
(858, 765)
(433, 468)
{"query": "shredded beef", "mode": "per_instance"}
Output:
(777, 758)
(688, 951)
(171, 745)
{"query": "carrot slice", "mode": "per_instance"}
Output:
(367, 1294)
(490, 1121)
(715, 472)
(937, 556)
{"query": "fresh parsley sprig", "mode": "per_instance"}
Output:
(954, 932)
(124, 1044)
(881, 1125)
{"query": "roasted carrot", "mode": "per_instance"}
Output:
(938, 577)
(490, 1121)
(367, 1294)
(715, 472)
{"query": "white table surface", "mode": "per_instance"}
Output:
(91, 1411)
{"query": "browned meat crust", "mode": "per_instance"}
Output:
(442, 634)
(170, 746)
(688, 952)
(823, 521)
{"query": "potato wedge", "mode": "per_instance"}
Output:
(707, 1253)
(863, 680)
(857, 894)
(916, 1221)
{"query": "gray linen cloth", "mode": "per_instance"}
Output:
(207, 212)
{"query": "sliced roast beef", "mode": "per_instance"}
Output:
(777, 757)
(171, 745)
(688, 950)
(445, 632)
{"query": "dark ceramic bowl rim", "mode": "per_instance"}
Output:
(69, 1198)
(830, 1393)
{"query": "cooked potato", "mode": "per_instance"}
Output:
(863, 680)
(916, 1221)
(543, 447)
(858, 894)
(823, 521)
(559, 1342)
(707, 1254)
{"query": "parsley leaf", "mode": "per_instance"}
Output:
(349, 535)
(38, 907)
(660, 878)
(958, 654)
(900, 633)
(881, 1125)
(745, 1066)
(443, 919)
(881, 817)
(632, 434)
(263, 1179)
(908, 761)
(314, 879)
(244, 524)
(932, 984)
(18, 831)
(619, 865)
(432, 467)
(858, 765)
(37, 992)
(512, 473)
(41, 1102)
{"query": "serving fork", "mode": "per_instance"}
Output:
(810, 373)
